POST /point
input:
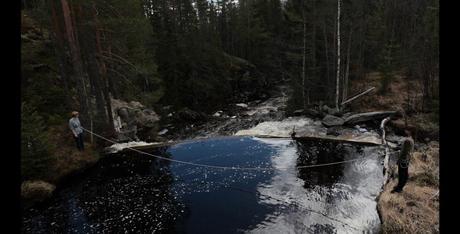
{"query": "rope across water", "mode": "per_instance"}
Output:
(225, 167)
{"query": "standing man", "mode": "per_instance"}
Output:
(403, 164)
(77, 130)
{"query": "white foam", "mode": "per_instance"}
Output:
(279, 128)
(287, 188)
(120, 146)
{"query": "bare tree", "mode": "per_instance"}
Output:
(347, 71)
(338, 57)
(303, 55)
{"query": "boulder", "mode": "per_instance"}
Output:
(330, 120)
(131, 119)
(314, 113)
(187, 115)
(298, 112)
(363, 117)
(328, 110)
(333, 131)
(162, 132)
(146, 118)
(217, 114)
(242, 105)
(36, 191)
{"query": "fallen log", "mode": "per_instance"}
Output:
(368, 140)
(357, 96)
(364, 117)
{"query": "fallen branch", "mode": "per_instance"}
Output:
(357, 96)
(387, 151)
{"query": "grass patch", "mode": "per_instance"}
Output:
(425, 179)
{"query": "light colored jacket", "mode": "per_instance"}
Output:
(75, 126)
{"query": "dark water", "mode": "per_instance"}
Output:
(133, 193)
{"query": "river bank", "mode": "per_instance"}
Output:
(416, 209)
(64, 163)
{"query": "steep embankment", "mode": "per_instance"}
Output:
(42, 89)
(64, 160)
(416, 209)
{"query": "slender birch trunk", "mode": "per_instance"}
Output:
(347, 71)
(338, 57)
(327, 60)
(303, 57)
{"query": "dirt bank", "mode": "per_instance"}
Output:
(416, 209)
(65, 160)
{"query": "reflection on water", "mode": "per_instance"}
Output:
(128, 192)
(338, 198)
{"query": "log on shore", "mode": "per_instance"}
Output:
(364, 140)
(363, 117)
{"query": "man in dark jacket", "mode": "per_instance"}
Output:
(403, 164)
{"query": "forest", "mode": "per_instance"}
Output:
(202, 55)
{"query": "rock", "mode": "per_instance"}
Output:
(242, 105)
(363, 117)
(147, 118)
(298, 112)
(217, 114)
(314, 113)
(187, 115)
(330, 120)
(334, 131)
(328, 110)
(129, 117)
(135, 104)
(362, 130)
(36, 191)
(162, 132)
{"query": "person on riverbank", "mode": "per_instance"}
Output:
(77, 130)
(403, 164)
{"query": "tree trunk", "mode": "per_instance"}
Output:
(313, 49)
(59, 50)
(76, 58)
(338, 57)
(103, 73)
(303, 58)
(347, 72)
(327, 60)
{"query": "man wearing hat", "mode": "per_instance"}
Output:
(77, 130)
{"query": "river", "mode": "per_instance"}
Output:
(128, 192)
